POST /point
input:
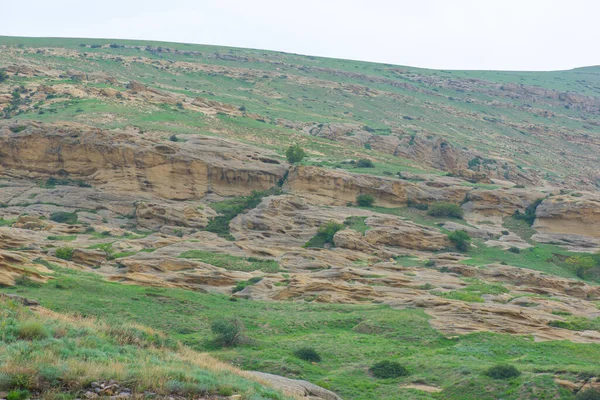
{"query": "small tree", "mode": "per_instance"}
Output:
(295, 154)
(461, 240)
(324, 235)
(365, 200)
(228, 332)
(108, 250)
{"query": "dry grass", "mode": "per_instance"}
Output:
(75, 351)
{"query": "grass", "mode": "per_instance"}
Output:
(542, 257)
(230, 208)
(230, 262)
(357, 223)
(49, 353)
(350, 338)
(473, 291)
(66, 238)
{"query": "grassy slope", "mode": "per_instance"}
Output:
(350, 338)
(466, 118)
(48, 354)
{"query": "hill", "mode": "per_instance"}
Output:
(445, 220)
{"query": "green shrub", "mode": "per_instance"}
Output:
(295, 154)
(3, 75)
(64, 217)
(308, 354)
(364, 163)
(65, 253)
(444, 209)
(460, 240)
(230, 208)
(388, 369)
(228, 332)
(243, 284)
(32, 330)
(324, 235)
(529, 215)
(24, 280)
(18, 395)
(173, 138)
(365, 200)
(588, 394)
(429, 263)
(502, 371)
(515, 250)
(582, 265)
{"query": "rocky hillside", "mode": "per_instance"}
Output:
(448, 221)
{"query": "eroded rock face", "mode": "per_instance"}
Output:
(501, 202)
(321, 186)
(566, 214)
(391, 231)
(124, 162)
(156, 215)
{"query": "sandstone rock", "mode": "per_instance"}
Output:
(322, 186)
(566, 214)
(293, 387)
(122, 162)
(154, 215)
(392, 231)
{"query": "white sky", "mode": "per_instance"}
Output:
(445, 34)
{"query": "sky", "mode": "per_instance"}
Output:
(443, 34)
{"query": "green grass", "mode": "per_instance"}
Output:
(473, 291)
(66, 238)
(350, 338)
(357, 223)
(542, 257)
(230, 262)
(7, 222)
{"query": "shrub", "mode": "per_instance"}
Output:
(364, 163)
(588, 394)
(18, 395)
(429, 263)
(388, 369)
(173, 138)
(64, 217)
(32, 330)
(3, 75)
(243, 284)
(529, 215)
(460, 239)
(582, 265)
(228, 332)
(308, 354)
(65, 253)
(515, 250)
(368, 146)
(365, 200)
(295, 154)
(502, 371)
(324, 234)
(443, 209)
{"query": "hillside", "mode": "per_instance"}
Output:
(445, 220)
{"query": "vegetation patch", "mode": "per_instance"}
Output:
(230, 208)
(324, 235)
(388, 369)
(502, 371)
(445, 209)
(230, 262)
(357, 223)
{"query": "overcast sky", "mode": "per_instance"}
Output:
(448, 34)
